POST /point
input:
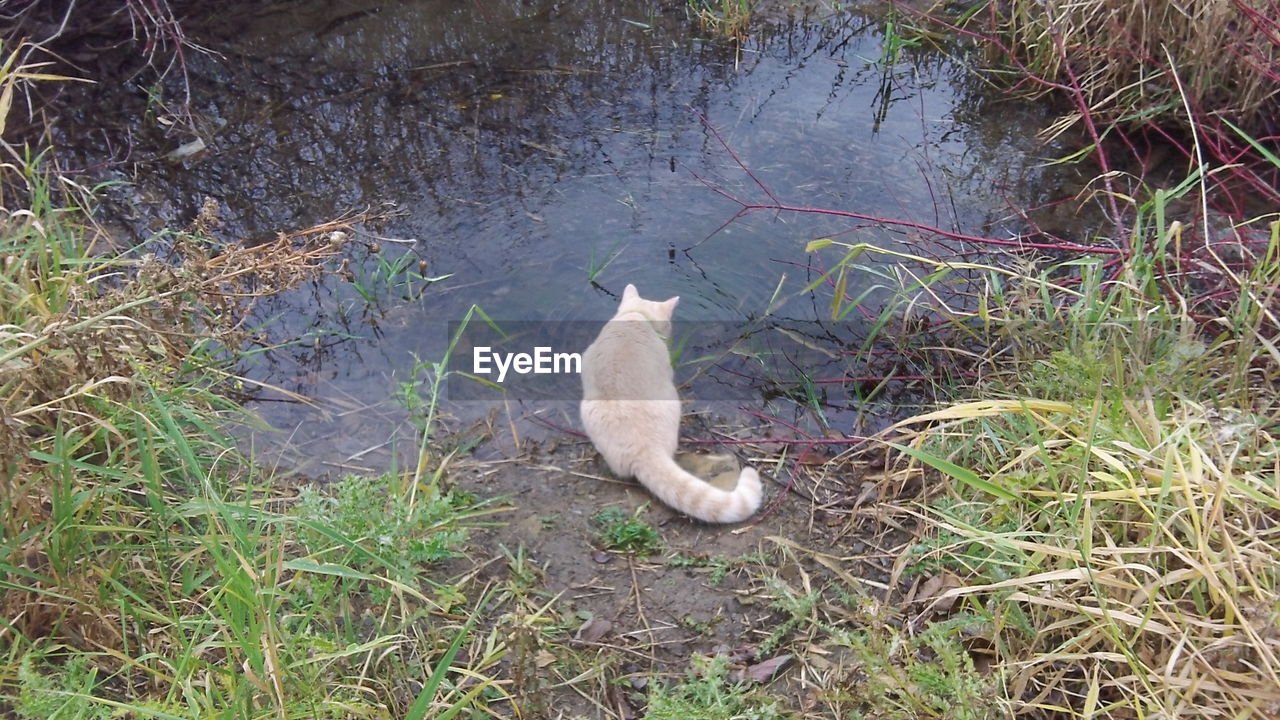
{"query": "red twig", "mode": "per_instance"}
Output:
(882, 378)
(707, 124)
(846, 440)
(779, 421)
(1020, 241)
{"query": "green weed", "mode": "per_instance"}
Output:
(627, 533)
(375, 524)
(383, 275)
(596, 265)
(717, 565)
(931, 675)
(48, 692)
(707, 694)
(798, 612)
(730, 19)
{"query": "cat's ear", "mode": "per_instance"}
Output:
(630, 292)
(669, 306)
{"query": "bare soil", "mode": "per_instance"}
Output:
(627, 619)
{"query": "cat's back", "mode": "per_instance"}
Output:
(627, 361)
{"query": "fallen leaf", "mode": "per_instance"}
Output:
(763, 672)
(592, 630)
(935, 586)
(543, 658)
(187, 150)
(813, 459)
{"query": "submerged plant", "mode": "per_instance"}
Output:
(727, 18)
(596, 265)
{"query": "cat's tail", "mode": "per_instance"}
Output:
(697, 498)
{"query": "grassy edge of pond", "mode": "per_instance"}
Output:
(149, 568)
(1098, 537)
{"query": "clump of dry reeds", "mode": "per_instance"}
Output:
(1100, 524)
(82, 329)
(112, 416)
(1112, 519)
(1200, 77)
(1133, 570)
(729, 19)
(1132, 61)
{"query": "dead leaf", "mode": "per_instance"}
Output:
(932, 593)
(935, 586)
(763, 672)
(592, 630)
(543, 658)
(813, 459)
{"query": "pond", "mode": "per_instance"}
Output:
(531, 158)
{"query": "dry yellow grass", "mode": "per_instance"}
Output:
(1145, 583)
(1101, 516)
(1136, 60)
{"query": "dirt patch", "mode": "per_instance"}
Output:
(623, 621)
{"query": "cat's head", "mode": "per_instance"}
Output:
(657, 312)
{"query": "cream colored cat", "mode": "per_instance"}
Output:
(632, 413)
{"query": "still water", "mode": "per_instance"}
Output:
(542, 155)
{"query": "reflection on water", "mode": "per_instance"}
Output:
(525, 148)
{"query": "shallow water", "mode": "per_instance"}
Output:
(528, 148)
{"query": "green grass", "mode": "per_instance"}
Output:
(729, 19)
(149, 570)
(708, 694)
(896, 38)
(626, 533)
(717, 566)
(1100, 502)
